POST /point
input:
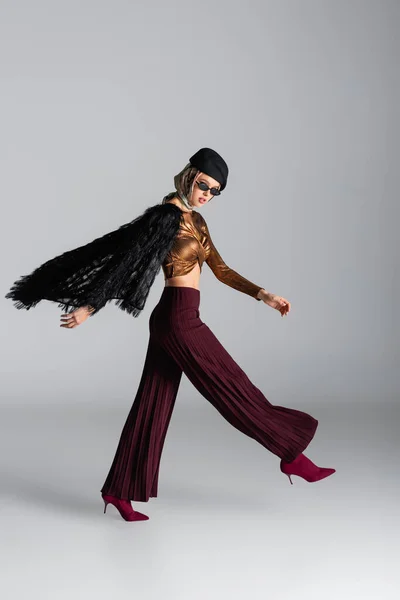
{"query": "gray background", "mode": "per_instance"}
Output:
(102, 103)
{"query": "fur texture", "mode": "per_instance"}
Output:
(121, 265)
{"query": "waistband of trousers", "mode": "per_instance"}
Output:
(183, 295)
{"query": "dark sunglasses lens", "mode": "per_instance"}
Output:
(203, 186)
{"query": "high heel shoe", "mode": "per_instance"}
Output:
(124, 507)
(305, 468)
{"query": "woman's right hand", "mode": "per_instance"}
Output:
(76, 317)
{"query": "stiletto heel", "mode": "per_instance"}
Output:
(124, 508)
(305, 468)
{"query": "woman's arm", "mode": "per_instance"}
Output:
(121, 265)
(224, 273)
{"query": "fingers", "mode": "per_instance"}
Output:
(69, 321)
(286, 306)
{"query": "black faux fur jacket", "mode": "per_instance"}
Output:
(120, 265)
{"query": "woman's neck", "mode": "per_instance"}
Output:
(175, 200)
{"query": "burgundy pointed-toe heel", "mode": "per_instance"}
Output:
(124, 507)
(305, 468)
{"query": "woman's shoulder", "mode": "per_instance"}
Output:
(160, 215)
(199, 219)
(170, 207)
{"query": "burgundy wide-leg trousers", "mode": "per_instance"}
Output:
(180, 342)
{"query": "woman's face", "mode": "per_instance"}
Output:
(199, 197)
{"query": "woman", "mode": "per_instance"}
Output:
(122, 265)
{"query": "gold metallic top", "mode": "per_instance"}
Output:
(193, 244)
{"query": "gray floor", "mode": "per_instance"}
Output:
(226, 524)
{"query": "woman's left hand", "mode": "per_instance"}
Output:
(277, 302)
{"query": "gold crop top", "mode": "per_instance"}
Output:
(193, 244)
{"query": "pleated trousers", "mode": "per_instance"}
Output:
(180, 342)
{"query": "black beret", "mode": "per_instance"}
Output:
(212, 164)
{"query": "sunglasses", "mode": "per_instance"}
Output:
(204, 188)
